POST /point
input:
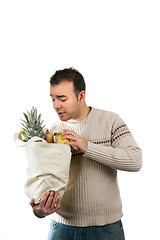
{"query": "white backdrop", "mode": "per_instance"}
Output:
(115, 45)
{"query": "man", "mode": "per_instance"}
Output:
(91, 207)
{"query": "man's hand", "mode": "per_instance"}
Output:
(48, 204)
(76, 140)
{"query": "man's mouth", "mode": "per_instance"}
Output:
(60, 113)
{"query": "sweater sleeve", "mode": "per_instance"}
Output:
(123, 154)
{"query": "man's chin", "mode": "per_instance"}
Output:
(63, 118)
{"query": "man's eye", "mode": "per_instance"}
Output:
(63, 100)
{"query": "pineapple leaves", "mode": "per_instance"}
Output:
(32, 125)
(35, 113)
(26, 117)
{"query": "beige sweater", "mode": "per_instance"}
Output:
(92, 196)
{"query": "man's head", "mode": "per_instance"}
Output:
(67, 91)
(70, 75)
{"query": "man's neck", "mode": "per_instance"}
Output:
(84, 113)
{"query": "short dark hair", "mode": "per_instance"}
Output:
(71, 75)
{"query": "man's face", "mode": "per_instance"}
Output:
(65, 101)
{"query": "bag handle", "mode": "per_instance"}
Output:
(20, 143)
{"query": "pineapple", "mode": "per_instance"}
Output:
(33, 126)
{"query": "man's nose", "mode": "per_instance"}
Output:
(56, 104)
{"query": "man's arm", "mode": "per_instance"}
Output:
(123, 154)
(126, 158)
(48, 205)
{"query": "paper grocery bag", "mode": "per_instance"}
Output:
(48, 166)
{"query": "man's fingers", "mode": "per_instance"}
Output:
(69, 137)
(50, 199)
(69, 133)
(58, 204)
(32, 202)
(44, 200)
(48, 204)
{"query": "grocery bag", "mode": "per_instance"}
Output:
(48, 166)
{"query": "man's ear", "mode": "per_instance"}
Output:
(81, 96)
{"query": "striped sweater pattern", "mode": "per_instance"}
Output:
(92, 197)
